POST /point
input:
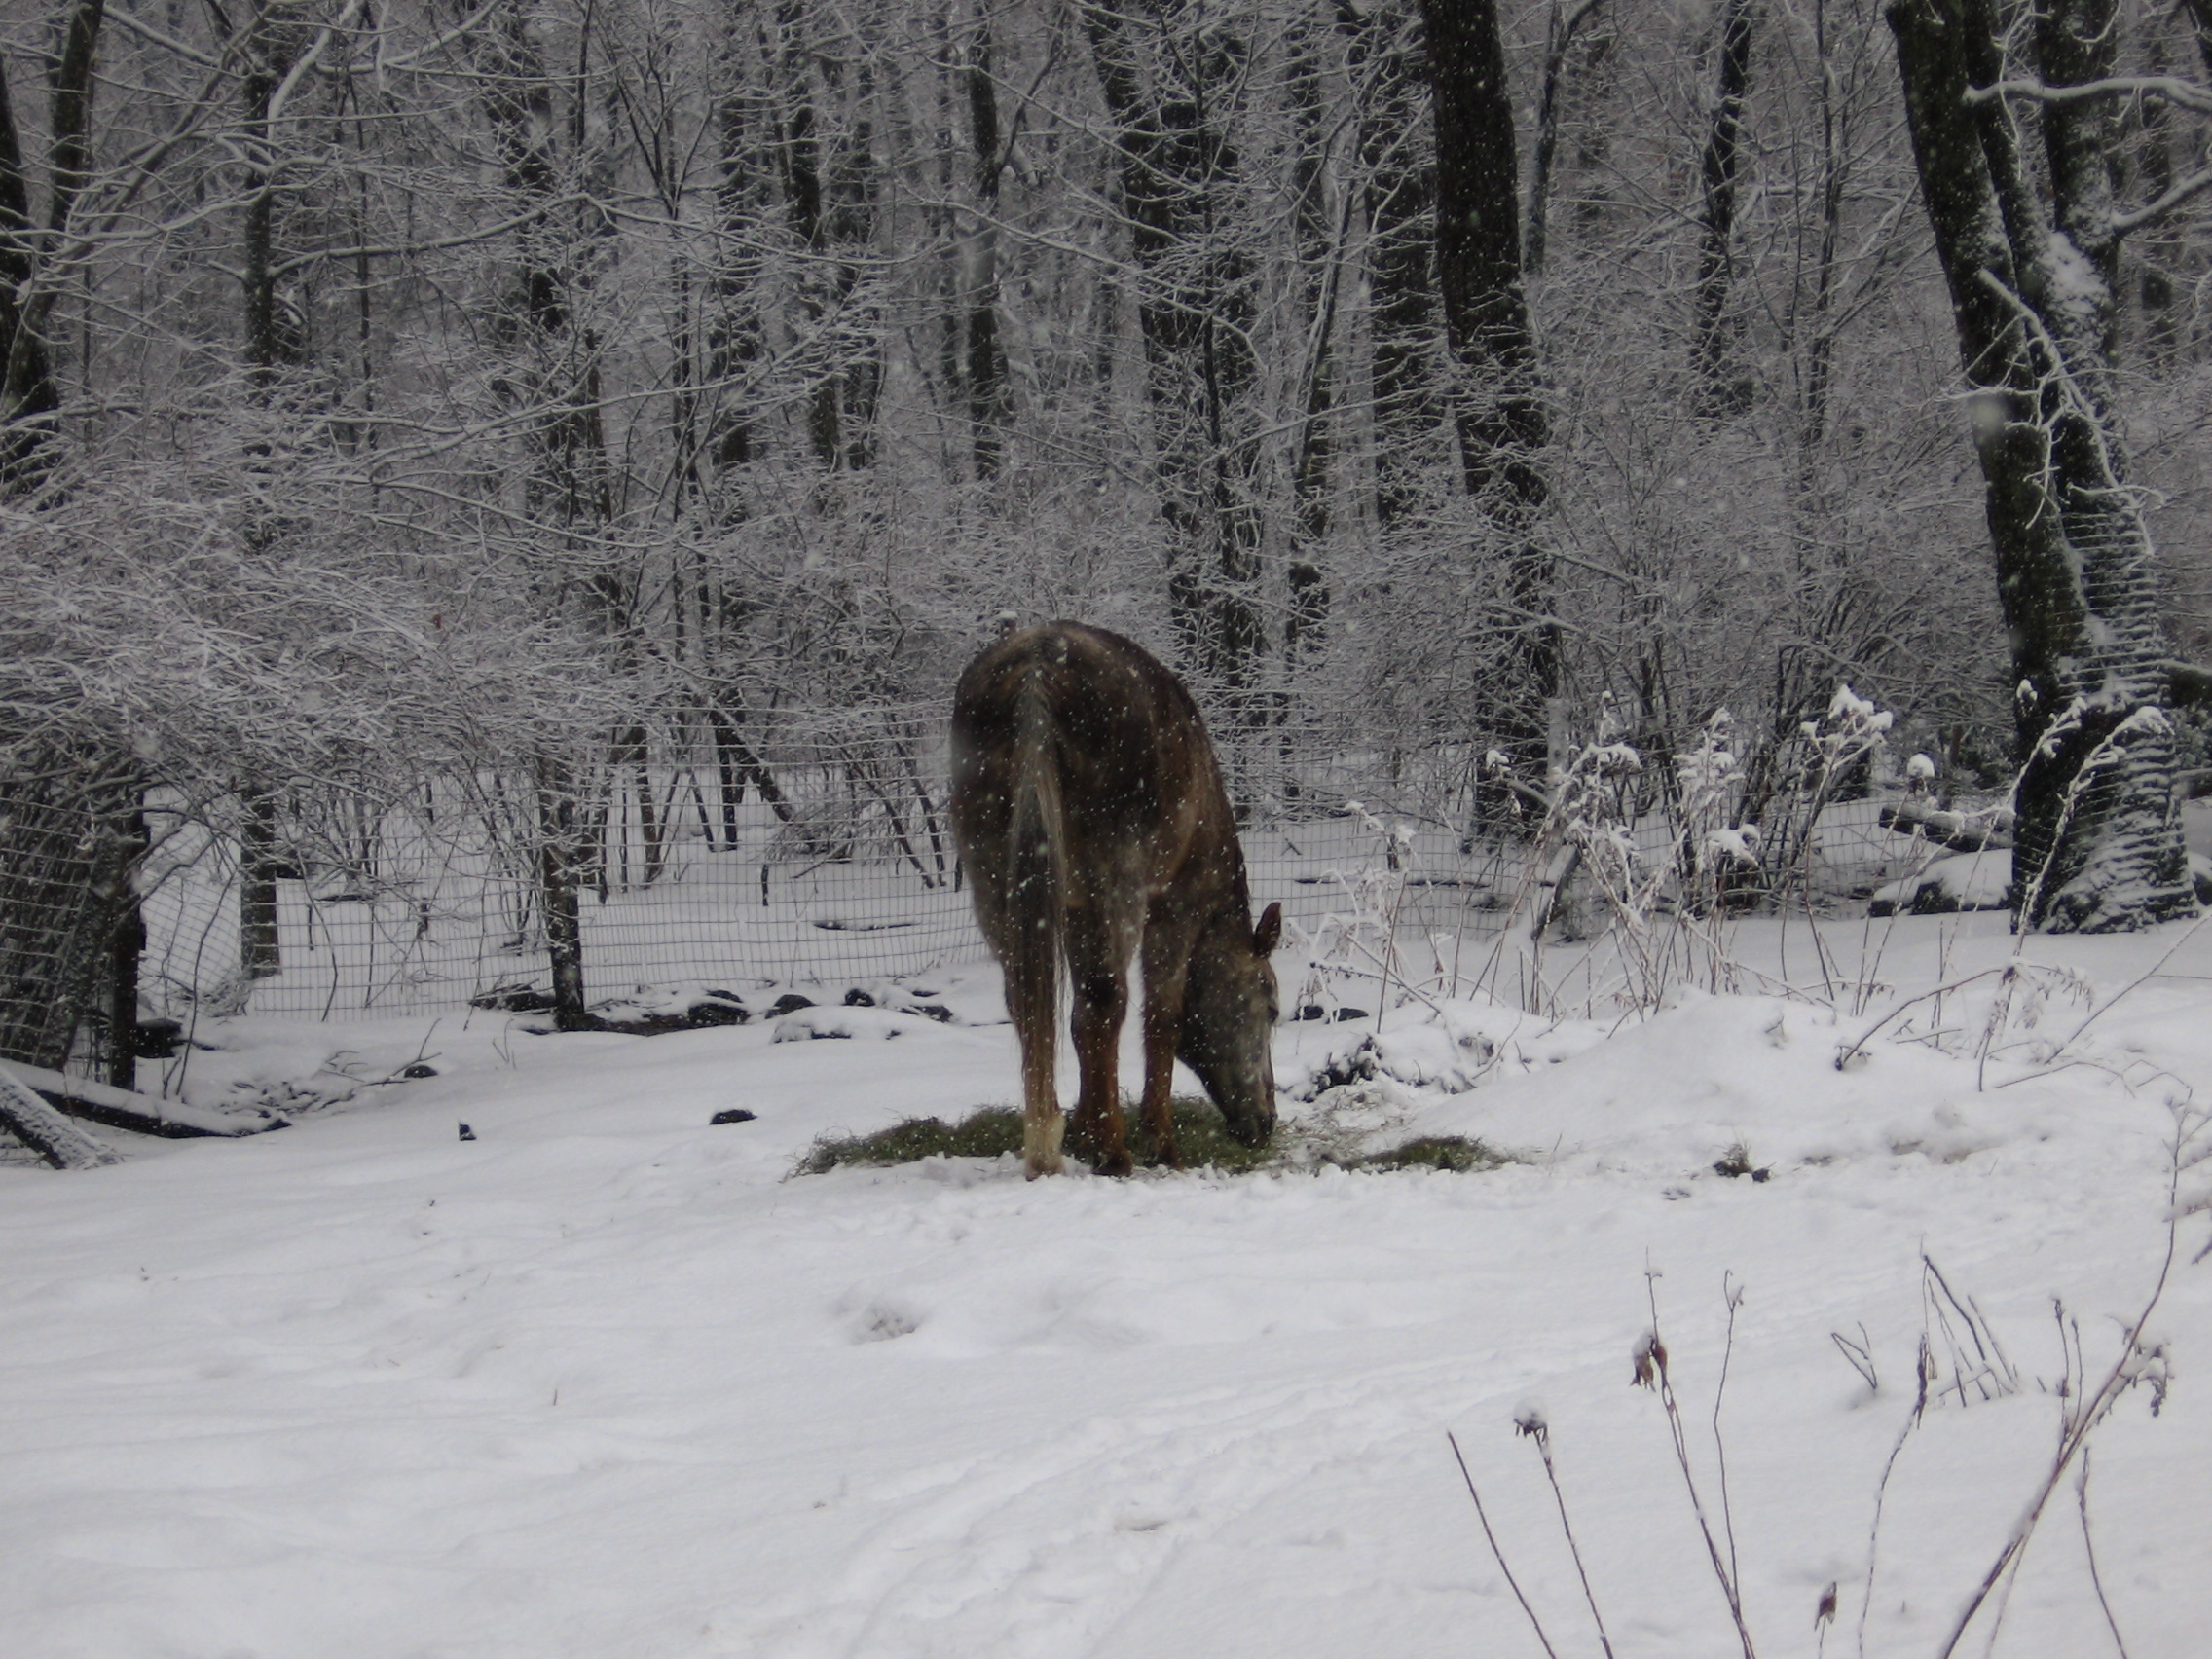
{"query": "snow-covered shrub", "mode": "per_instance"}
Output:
(1359, 939)
(1820, 758)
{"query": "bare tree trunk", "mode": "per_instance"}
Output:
(1195, 312)
(127, 943)
(738, 763)
(2099, 845)
(1321, 255)
(1563, 29)
(829, 182)
(1502, 424)
(736, 327)
(259, 954)
(30, 398)
(1725, 390)
(28, 395)
(983, 361)
(560, 871)
(2200, 25)
(1398, 171)
(271, 339)
(1820, 327)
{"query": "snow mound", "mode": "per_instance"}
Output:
(1757, 1077)
(1450, 1046)
(1965, 881)
(811, 1024)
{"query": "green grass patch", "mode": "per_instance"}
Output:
(991, 1131)
(1201, 1134)
(985, 1133)
(1203, 1139)
(1456, 1153)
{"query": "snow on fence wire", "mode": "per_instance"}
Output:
(67, 847)
(693, 878)
(816, 852)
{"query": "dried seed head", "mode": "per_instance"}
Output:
(1826, 1611)
(1650, 1360)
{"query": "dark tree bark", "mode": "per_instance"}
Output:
(829, 180)
(560, 863)
(556, 360)
(259, 954)
(2200, 13)
(30, 396)
(799, 159)
(1321, 233)
(736, 327)
(1398, 164)
(1820, 324)
(1724, 391)
(555, 380)
(126, 944)
(2160, 252)
(1563, 29)
(1502, 424)
(1196, 314)
(739, 763)
(29, 390)
(273, 340)
(983, 356)
(2099, 841)
(628, 760)
(1320, 237)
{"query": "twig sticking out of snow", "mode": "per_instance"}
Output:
(1924, 1367)
(2153, 971)
(1859, 1357)
(1499, 1554)
(1988, 1371)
(1651, 1373)
(2090, 1550)
(1529, 1422)
(2137, 1362)
(1850, 1051)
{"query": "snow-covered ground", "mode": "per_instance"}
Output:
(602, 1382)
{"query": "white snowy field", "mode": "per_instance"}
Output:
(604, 1382)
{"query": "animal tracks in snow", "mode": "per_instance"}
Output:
(1041, 1550)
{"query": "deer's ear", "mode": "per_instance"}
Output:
(1269, 934)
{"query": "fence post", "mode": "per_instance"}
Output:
(260, 956)
(125, 945)
(557, 880)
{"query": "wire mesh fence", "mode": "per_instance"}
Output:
(844, 875)
(68, 847)
(809, 850)
(818, 853)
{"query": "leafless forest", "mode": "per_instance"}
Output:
(580, 412)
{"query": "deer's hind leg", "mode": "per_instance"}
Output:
(1099, 948)
(1027, 956)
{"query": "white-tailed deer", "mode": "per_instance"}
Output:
(1094, 828)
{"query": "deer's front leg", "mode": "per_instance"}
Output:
(1164, 969)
